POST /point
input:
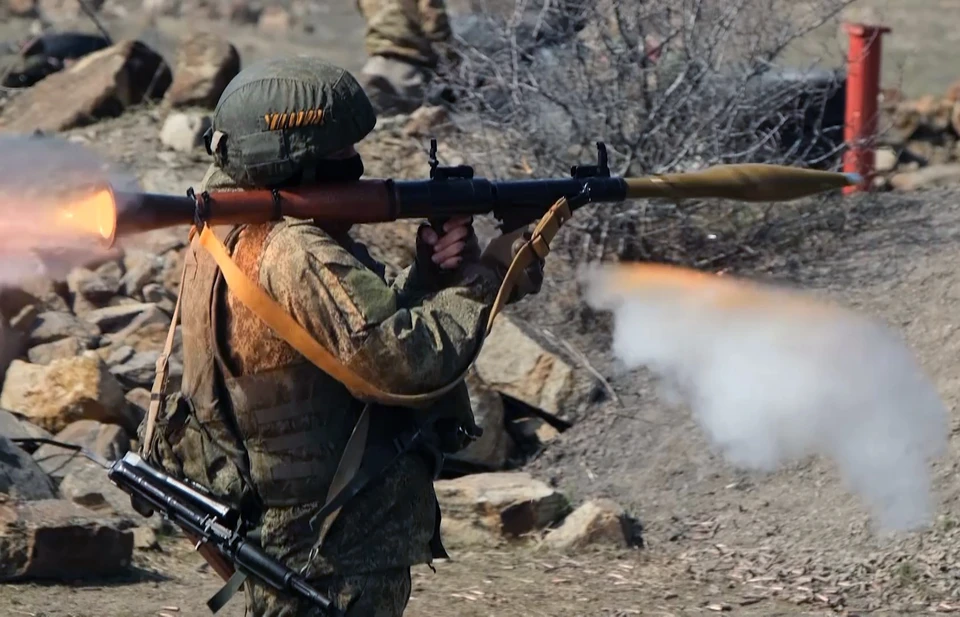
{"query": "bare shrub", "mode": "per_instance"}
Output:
(667, 85)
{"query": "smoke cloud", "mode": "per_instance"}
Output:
(39, 175)
(772, 376)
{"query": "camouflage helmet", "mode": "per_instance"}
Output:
(278, 117)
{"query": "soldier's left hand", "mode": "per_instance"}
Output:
(457, 244)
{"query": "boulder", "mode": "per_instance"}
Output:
(64, 391)
(14, 427)
(183, 132)
(138, 370)
(274, 20)
(145, 539)
(488, 508)
(38, 292)
(11, 346)
(107, 440)
(141, 268)
(112, 319)
(57, 10)
(48, 352)
(52, 326)
(492, 449)
(515, 362)
(20, 477)
(205, 65)
(96, 286)
(55, 539)
(22, 8)
(100, 85)
(86, 484)
(600, 522)
(946, 174)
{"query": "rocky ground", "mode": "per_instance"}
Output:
(602, 501)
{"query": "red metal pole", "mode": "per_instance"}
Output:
(863, 93)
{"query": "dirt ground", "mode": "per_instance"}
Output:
(717, 540)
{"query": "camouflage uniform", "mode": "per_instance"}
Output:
(258, 424)
(402, 39)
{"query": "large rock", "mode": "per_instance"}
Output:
(107, 440)
(20, 477)
(54, 539)
(14, 427)
(600, 522)
(97, 286)
(138, 370)
(205, 65)
(493, 447)
(487, 508)
(141, 268)
(11, 346)
(112, 319)
(37, 291)
(184, 131)
(48, 352)
(514, 362)
(102, 84)
(52, 326)
(64, 391)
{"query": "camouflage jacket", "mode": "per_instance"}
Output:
(292, 420)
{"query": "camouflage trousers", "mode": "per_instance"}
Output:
(406, 29)
(378, 594)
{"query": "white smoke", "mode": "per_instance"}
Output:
(773, 376)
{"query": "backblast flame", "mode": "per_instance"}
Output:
(94, 213)
(773, 375)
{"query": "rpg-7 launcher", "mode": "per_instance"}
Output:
(218, 530)
(450, 191)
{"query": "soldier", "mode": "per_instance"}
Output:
(260, 426)
(402, 41)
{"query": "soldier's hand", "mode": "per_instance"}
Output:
(457, 244)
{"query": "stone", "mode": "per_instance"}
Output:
(65, 391)
(145, 539)
(101, 85)
(425, 121)
(492, 449)
(112, 319)
(107, 440)
(535, 430)
(946, 174)
(274, 20)
(39, 292)
(55, 539)
(86, 484)
(515, 363)
(205, 65)
(11, 346)
(141, 268)
(138, 370)
(601, 522)
(57, 10)
(139, 399)
(48, 352)
(13, 426)
(243, 12)
(488, 508)
(22, 8)
(52, 326)
(885, 159)
(183, 132)
(20, 476)
(97, 287)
